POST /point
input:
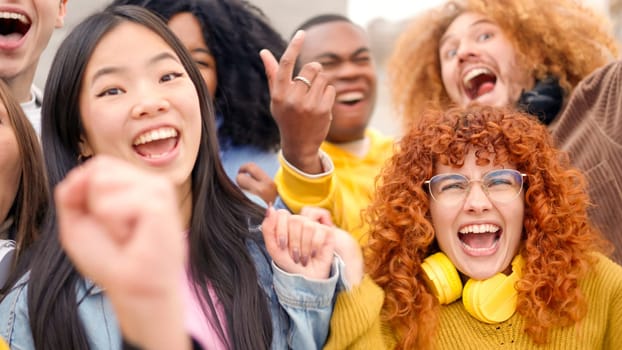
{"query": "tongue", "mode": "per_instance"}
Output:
(480, 240)
(155, 148)
(10, 37)
(485, 88)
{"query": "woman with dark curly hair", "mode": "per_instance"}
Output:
(224, 38)
(480, 195)
(531, 54)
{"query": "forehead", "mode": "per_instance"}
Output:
(339, 37)
(464, 22)
(127, 44)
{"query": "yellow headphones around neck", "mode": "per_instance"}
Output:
(491, 301)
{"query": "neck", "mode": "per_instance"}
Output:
(357, 147)
(185, 206)
(20, 85)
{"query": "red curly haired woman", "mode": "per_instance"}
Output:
(477, 204)
(531, 54)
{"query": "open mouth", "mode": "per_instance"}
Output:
(479, 81)
(156, 143)
(350, 98)
(482, 237)
(13, 25)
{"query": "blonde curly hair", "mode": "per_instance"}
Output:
(560, 38)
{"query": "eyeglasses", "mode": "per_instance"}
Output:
(502, 185)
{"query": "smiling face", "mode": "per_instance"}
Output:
(188, 29)
(342, 49)
(137, 103)
(25, 28)
(480, 237)
(10, 164)
(479, 63)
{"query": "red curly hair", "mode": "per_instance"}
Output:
(558, 38)
(558, 238)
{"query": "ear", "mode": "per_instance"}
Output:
(85, 149)
(62, 11)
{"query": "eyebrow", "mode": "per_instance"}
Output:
(115, 70)
(444, 38)
(201, 50)
(334, 56)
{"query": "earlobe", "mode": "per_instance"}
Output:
(62, 11)
(85, 150)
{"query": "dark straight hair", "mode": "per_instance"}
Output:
(234, 31)
(220, 211)
(31, 200)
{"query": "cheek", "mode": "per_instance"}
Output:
(211, 81)
(448, 80)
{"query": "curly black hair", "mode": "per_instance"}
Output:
(235, 31)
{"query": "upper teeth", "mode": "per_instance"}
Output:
(13, 15)
(479, 228)
(155, 134)
(472, 74)
(350, 96)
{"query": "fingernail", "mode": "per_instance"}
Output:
(282, 243)
(296, 256)
(304, 260)
(299, 33)
(313, 253)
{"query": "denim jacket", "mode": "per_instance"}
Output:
(300, 309)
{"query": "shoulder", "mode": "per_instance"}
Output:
(14, 319)
(605, 277)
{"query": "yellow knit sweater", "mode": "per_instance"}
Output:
(356, 320)
(345, 191)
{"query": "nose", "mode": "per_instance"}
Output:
(149, 103)
(466, 51)
(477, 200)
(348, 70)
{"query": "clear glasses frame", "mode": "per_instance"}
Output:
(499, 185)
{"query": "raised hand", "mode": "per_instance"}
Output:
(121, 228)
(298, 244)
(301, 106)
(253, 179)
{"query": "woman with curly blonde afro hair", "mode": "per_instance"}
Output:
(480, 195)
(555, 43)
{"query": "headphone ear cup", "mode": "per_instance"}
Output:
(442, 278)
(493, 300)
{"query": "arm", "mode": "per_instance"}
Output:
(356, 323)
(131, 217)
(14, 319)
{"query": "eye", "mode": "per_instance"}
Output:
(170, 76)
(329, 64)
(203, 64)
(110, 92)
(453, 185)
(501, 179)
(484, 36)
(362, 59)
(449, 53)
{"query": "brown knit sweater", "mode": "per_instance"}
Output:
(590, 130)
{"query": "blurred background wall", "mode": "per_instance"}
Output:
(383, 20)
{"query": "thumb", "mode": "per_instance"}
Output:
(268, 228)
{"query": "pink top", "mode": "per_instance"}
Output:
(197, 324)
